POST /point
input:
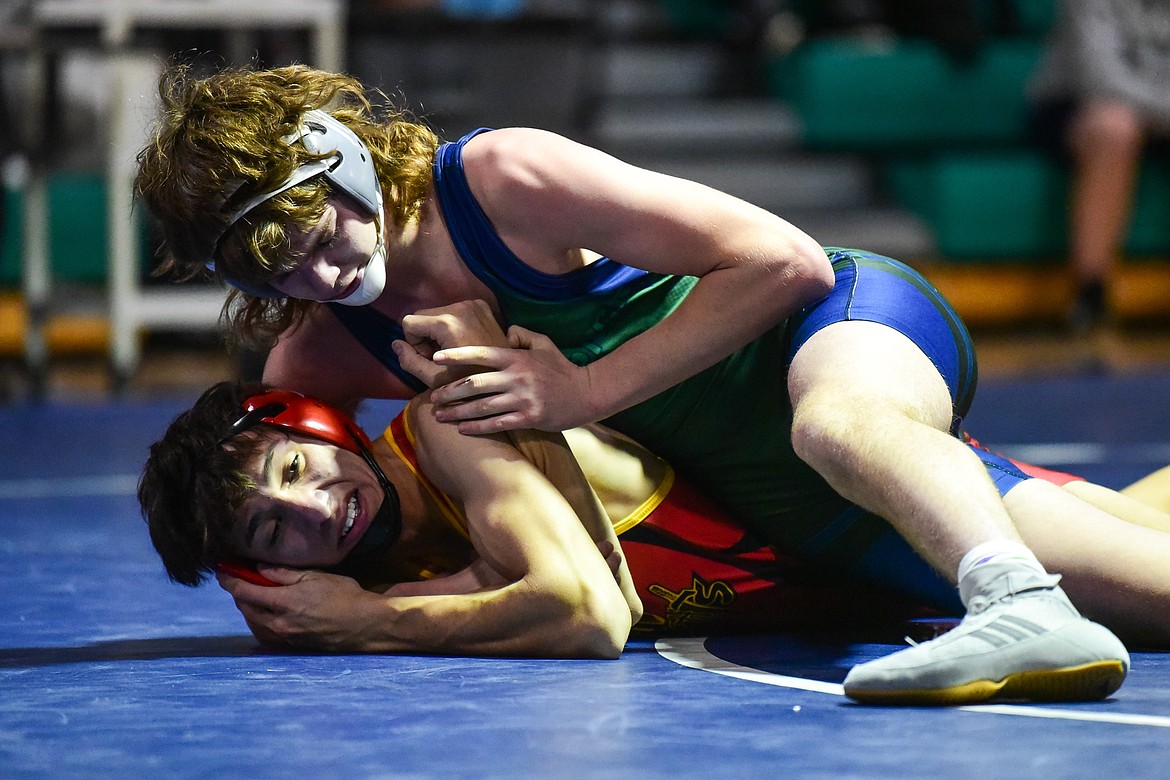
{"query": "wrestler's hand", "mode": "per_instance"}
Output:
(427, 331)
(531, 385)
(312, 609)
(613, 558)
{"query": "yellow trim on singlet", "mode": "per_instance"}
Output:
(459, 522)
(649, 505)
(446, 506)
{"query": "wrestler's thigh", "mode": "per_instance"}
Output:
(1120, 505)
(1153, 489)
(869, 368)
(1090, 547)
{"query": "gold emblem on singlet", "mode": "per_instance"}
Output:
(693, 606)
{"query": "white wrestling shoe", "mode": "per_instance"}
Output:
(1021, 639)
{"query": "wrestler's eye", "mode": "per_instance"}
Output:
(280, 278)
(328, 241)
(295, 468)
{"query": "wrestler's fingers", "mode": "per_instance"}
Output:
(523, 338)
(485, 357)
(423, 347)
(282, 575)
(513, 421)
(418, 364)
(471, 386)
(253, 601)
(473, 310)
(259, 592)
(433, 326)
(477, 408)
(467, 323)
(453, 326)
(613, 558)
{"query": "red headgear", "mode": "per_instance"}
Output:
(301, 414)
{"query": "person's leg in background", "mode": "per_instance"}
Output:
(1105, 140)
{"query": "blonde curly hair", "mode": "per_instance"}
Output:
(219, 141)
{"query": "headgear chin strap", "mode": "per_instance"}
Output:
(349, 168)
(373, 281)
(300, 414)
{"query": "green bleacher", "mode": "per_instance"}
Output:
(952, 139)
(949, 134)
(77, 230)
(1010, 205)
(894, 96)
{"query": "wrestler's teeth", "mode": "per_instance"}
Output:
(350, 514)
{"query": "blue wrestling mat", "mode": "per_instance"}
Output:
(109, 670)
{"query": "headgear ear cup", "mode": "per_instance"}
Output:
(351, 169)
(246, 573)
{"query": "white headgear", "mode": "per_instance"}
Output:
(350, 169)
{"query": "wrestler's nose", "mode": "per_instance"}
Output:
(320, 275)
(312, 507)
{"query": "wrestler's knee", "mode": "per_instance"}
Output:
(825, 432)
(832, 432)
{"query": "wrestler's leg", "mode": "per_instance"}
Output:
(1117, 571)
(872, 415)
(1134, 507)
(876, 391)
(1153, 489)
(1145, 502)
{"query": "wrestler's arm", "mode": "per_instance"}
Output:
(623, 492)
(474, 577)
(477, 576)
(552, 457)
(549, 197)
(560, 598)
(472, 322)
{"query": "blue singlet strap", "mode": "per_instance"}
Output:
(490, 259)
(376, 332)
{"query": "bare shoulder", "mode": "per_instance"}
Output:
(515, 147)
(523, 162)
(463, 466)
(446, 456)
(546, 195)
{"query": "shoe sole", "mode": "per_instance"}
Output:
(1089, 682)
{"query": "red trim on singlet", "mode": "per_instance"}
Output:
(401, 440)
(1059, 478)
(1048, 475)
